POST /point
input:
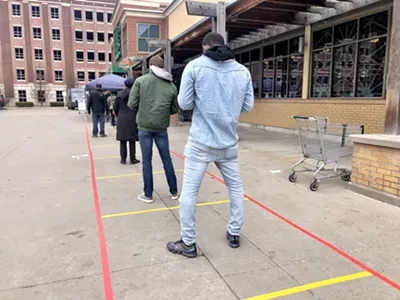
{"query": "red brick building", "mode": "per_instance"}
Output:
(135, 22)
(49, 47)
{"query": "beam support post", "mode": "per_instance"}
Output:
(307, 63)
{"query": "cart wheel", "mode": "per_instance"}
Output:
(293, 177)
(346, 177)
(314, 186)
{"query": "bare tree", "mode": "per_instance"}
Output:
(41, 92)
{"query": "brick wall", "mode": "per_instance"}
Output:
(278, 113)
(132, 25)
(376, 167)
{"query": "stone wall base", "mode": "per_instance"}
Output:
(375, 194)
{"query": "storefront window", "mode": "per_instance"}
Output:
(283, 70)
(255, 70)
(348, 60)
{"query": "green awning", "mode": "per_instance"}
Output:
(116, 69)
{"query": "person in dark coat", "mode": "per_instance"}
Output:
(97, 105)
(126, 124)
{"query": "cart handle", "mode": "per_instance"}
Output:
(301, 118)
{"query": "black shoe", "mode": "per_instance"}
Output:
(234, 240)
(103, 135)
(123, 162)
(134, 162)
(181, 248)
(94, 136)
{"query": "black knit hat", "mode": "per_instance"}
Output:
(213, 39)
(128, 82)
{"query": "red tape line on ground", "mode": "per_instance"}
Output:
(103, 247)
(306, 232)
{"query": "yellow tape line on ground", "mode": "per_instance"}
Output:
(115, 157)
(132, 175)
(310, 286)
(137, 212)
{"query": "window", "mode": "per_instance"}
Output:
(78, 36)
(147, 32)
(110, 36)
(59, 96)
(55, 14)
(17, 31)
(102, 57)
(39, 75)
(57, 55)
(109, 56)
(19, 53)
(41, 96)
(89, 16)
(80, 75)
(90, 56)
(36, 11)
(16, 9)
(37, 33)
(21, 96)
(109, 17)
(78, 15)
(58, 75)
(56, 34)
(20, 74)
(100, 37)
(100, 17)
(91, 76)
(348, 59)
(80, 56)
(39, 54)
(281, 72)
(89, 36)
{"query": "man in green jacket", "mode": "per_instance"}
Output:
(154, 97)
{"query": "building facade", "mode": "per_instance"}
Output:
(306, 57)
(136, 22)
(46, 48)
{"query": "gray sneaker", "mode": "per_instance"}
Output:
(144, 198)
(181, 248)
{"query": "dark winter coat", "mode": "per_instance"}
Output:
(126, 118)
(97, 102)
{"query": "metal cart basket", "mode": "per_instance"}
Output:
(325, 143)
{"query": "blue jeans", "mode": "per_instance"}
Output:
(146, 145)
(197, 158)
(98, 118)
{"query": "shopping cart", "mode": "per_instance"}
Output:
(324, 143)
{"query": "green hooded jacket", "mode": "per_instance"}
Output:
(154, 97)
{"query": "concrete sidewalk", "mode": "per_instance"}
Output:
(49, 244)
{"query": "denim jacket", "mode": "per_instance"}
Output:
(217, 91)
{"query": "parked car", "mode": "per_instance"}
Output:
(2, 101)
(76, 95)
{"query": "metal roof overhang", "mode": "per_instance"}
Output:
(250, 21)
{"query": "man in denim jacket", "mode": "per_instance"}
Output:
(218, 89)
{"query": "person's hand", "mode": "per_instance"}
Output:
(88, 112)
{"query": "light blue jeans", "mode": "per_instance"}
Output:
(197, 158)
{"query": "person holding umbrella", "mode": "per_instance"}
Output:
(126, 124)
